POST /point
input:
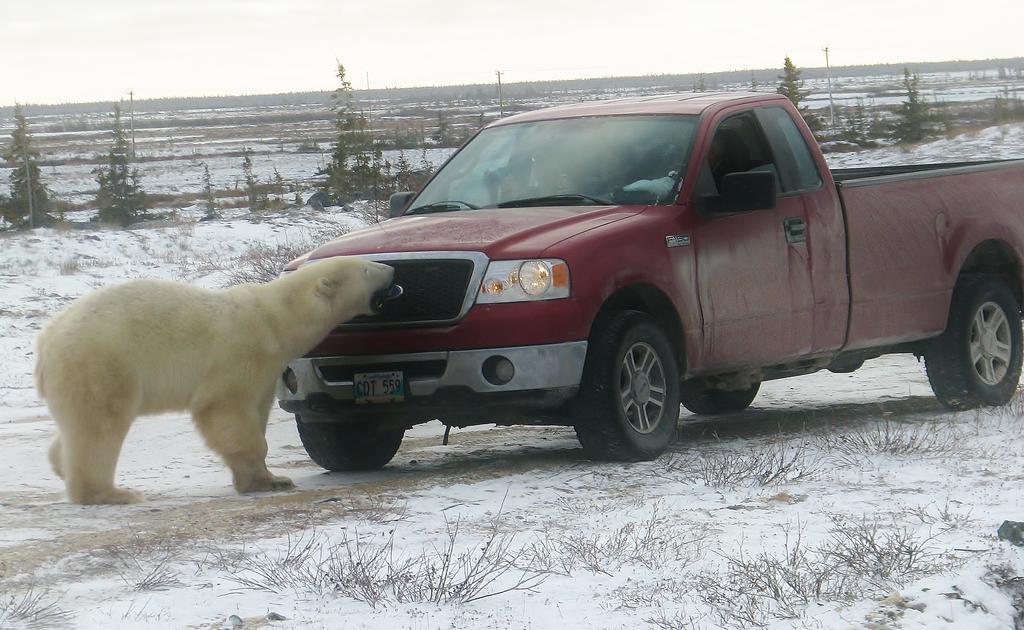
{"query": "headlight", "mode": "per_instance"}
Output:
(524, 280)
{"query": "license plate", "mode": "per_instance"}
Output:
(378, 387)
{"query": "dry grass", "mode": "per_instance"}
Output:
(773, 463)
(260, 262)
(31, 608)
(896, 438)
(144, 568)
(677, 621)
(371, 211)
(859, 558)
(70, 266)
(653, 542)
(372, 572)
(946, 514)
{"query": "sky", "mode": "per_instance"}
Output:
(92, 50)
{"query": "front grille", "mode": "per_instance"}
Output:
(412, 369)
(434, 291)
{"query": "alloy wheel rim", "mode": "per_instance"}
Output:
(642, 388)
(990, 343)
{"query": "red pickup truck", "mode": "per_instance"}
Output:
(597, 264)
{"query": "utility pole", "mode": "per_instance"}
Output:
(501, 103)
(28, 180)
(369, 115)
(369, 130)
(831, 104)
(131, 119)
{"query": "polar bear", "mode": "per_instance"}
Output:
(153, 346)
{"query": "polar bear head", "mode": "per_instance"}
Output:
(331, 291)
(348, 284)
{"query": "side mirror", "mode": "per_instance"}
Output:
(398, 202)
(742, 192)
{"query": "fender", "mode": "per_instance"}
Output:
(968, 236)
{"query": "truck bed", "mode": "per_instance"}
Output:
(852, 176)
(909, 229)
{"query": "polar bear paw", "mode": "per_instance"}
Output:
(113, 496)
(270, 483)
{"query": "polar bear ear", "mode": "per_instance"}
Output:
(327, 287)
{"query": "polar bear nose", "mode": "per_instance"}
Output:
(383, 296)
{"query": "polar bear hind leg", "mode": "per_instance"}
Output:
(57, 456)
(88, 454)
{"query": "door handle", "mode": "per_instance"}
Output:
(796, 230)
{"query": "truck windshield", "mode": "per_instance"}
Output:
(569, 161)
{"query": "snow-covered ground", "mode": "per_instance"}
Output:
(1002, 142)
(836, 501)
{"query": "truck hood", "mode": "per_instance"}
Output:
(501, 233)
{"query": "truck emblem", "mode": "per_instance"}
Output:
(677, 240)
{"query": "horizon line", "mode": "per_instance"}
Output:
(512, 83)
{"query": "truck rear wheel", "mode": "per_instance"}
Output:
(977, 360)
(342, 447)
(628, 404)
(713, 402)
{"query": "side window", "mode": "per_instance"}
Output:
(738, 146)
(796, 162)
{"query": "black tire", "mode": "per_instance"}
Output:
(610, 426)
(714, 402)
(343, 447)
(960, 381)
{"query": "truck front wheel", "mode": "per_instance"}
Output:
(342, 447)
(713, 402)
(977, 359)
(628, 404)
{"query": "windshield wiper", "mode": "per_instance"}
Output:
(441, 206)
(554, 201)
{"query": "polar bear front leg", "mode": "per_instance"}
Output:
(238, 436)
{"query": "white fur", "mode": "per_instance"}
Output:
(152, 346)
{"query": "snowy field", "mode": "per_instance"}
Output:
(836, 501)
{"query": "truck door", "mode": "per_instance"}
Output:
(753, 268)
(825, 233)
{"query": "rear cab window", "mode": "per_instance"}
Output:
(796, 163)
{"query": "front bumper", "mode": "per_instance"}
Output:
(448, 385)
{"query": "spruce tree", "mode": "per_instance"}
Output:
(354, 169)
(913, 113)
(120, 198)
(27, 188)
(339, 172)
(403, 175)
(426, 166)
(257, 200)
(367, 161)
(278, 183)
(443, 136)
(857, 123)
(792, 87)
(209, 197)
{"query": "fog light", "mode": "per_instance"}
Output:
(498, 370)
(290, 380)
